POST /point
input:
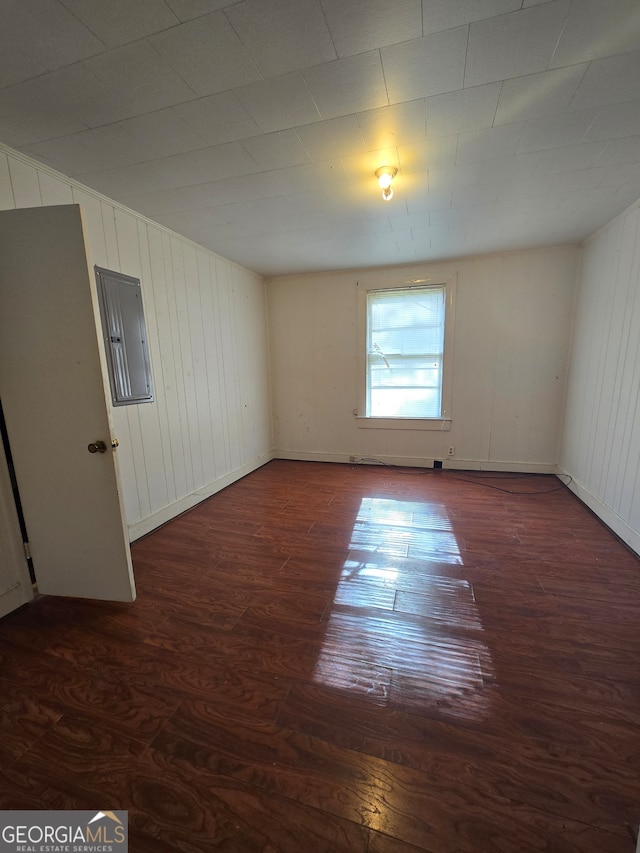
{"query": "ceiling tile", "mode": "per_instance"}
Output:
(186, 10)
(157, 134)
(361, 168)
(555, 131)
(512, 170)
(425, 66)
(199, 227)
(462, 197)
(399, 124)
(126, 181)
(535, 95)
(615, 121)
(347, 85)
(16, 65)
(160, 134)
(447, 178)
(595, 29)
(203, 166)
(362, 25)
(209, 164)
(620, 151)
(51, 105)
(71, 155)
(546, 185)
(612, 80)
(569, 157)
(207, 54)
(411, 220)
(441, 15)
(55, 36)
(176, 200)
(156, 84)
(430, 154)
(466, 109)
(14, 135)
(337, 199)
(279, 103)
(282, 35)
(334, 137)
(515, 44)
(218, 118)
(489, 144)
(276, 150)
(121, 21)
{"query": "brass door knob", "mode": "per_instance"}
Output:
(97, 447)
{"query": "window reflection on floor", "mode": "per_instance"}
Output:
(399, 632)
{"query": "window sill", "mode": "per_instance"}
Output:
(442, 424)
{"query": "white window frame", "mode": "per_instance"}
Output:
(444, 421)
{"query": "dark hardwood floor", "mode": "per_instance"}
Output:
(344, 658)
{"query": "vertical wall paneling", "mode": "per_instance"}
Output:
(228, 360)
(210, 422)
(184, 365)
(110, 237)
(195, 368)
(150, 413)
(6, 190)
(24, 180)
(130, 263)
(625, 441)
(163, 366)
(53, 190)
(92, 207)
(601, 433)
(238, 343)
(173, 372)
(200, 331)
(213, 349)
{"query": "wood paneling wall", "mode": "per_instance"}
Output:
(601, 436)
(512, 325)
(206, 320)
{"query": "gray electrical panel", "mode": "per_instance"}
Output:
(125, 338)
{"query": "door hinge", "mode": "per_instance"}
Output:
(27, 550)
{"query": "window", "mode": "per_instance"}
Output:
(407, 341)
(125, 338)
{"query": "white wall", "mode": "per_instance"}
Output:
(512, 322)
(206, 321)
(601, 435)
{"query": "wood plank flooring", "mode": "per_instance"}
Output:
(350, 659)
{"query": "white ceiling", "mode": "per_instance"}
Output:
(255, 127)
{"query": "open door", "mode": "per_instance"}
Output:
(15, 583)
(53, 394)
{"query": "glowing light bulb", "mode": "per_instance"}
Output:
(385, 175)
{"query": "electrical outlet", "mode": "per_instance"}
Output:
(451, 451)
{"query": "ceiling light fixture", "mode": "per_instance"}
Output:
(385, 175)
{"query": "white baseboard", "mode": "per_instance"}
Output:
(423, 462)
(161, 516)
(619, 526)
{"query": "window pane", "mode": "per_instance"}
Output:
(405, 403)
(405, 344)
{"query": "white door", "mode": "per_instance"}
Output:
(15, 583)
(53, 395)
